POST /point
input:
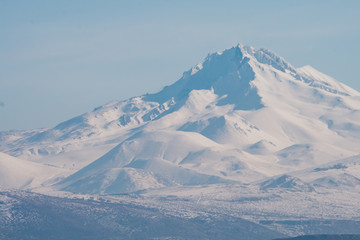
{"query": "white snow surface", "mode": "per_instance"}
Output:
(22, 174)
(242, 116)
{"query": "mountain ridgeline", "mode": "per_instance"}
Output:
(241, 116)
(242, 146)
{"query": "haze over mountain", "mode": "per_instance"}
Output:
(243, 116)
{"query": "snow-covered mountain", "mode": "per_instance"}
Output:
(242, 136)
(242, 115)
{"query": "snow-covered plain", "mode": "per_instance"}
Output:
(243, 133)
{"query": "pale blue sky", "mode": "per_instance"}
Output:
(62, 58)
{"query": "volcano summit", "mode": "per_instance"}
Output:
(241, 115)
(244, 118)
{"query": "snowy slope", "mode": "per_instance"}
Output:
(341, 174)
(240, 116)
(17, 173)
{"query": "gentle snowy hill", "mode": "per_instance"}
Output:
(17, 173)
(287, 182)
(341, 174)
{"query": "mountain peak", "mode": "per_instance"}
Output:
(228, 73)
(261, 55)
(241, 115)
(239, 73)
(266, 56)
